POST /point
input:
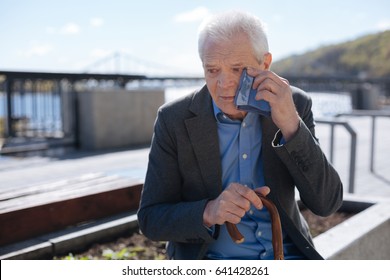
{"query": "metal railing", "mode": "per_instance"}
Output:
(373, 114)
(333, 122)
(39, 106)
(34, 108)
(352, 158)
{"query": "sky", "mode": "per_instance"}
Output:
(126, 36)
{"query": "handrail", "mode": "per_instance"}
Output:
(352, 160)
(373, 114)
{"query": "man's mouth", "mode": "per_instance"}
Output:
(227, 98)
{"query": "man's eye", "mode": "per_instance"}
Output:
(212, 70)
(237, 69)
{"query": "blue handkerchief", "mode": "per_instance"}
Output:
(245, 97)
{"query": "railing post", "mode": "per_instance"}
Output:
(331, 152)
(352, 159)
(9, 131)
(373, 114)
(373, 128)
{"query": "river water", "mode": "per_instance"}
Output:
(43, 110)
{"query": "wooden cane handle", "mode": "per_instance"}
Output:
(277, 237)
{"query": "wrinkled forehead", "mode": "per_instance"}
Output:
(235, 50)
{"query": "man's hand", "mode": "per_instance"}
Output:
(232, 204)
(276, 90)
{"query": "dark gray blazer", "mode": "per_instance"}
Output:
(184, 172)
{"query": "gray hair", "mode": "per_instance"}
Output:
(224, 26)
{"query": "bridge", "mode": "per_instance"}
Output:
(124, 63)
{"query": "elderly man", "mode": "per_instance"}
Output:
(208, 159)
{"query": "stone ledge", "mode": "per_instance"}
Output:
(363, 236)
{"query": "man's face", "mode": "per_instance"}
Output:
(223, 63)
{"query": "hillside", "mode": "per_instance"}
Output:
(367, 56)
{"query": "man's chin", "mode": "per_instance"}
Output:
(235, 114)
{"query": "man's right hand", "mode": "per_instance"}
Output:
(232, 204)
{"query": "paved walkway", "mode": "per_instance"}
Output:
(23, 172)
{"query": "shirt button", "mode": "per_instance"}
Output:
(244, 124)
(244, 156)
(251, 212)
(259, 233)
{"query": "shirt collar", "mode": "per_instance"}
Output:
(216, 110)
(222, 117)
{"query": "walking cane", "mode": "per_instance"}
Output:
(277, 238)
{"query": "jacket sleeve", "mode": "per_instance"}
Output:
(163, 213)
(318, 183)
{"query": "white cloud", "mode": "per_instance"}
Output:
(70, 28)
(96, 22)
(37, 49)
(383, 25)
(197, 14)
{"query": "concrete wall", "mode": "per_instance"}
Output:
(365, 236)
(117, 118)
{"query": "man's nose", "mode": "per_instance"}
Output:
(226, 80)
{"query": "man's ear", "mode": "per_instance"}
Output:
(267, 61)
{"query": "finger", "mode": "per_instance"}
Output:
(231, 218)
(268, 78)
(285, 81)
(257, 72)
(236, 211)
(229, 212)
(282, 81)
(242, 203)
(265, 190)
(249, 194)
(268, 84)
(266, 95)
(258, 75)
(261, 76)
(232, 195)
(220, 210)
(254, 72)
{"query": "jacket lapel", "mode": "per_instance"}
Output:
(203, 134)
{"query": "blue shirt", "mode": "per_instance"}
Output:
(240, 151)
